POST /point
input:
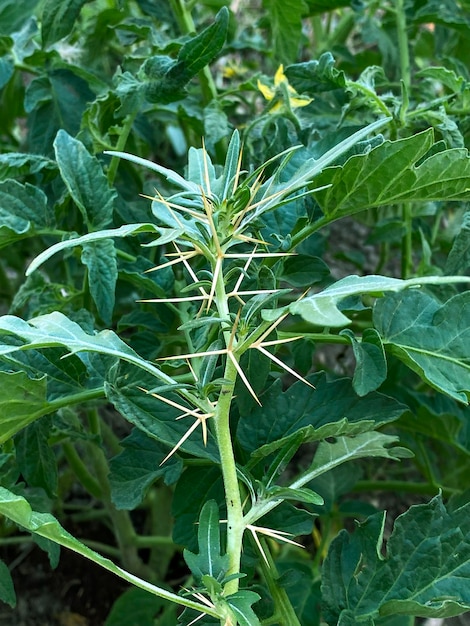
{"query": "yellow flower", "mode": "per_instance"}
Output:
(295, 100)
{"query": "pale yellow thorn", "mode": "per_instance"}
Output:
(241, 373)
(184, 257)
(280, 535)
(262, 255)
(281, 364)
(186, 299)
(189, 432)
(274, 342)
(192, 355)
(215, 278)
(179, 207)
(193, 412)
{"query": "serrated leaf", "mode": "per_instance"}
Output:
(430, 338)
(58, 19)
(137, 467)
(16, 164)
(317, 413)
(35, 458)
(194, 55)
(23, 400)
(285, 18)
(322, 308)
(393, 173)
(188, 502)
(22, 207)
(425, 570)
(17, 509)
(241, 603)
(100, 259)
(61, 101)
(209, 560)
(7, 590)
(85, 180)
(371, 365)
(56, 329)
(135, 607)
(459, 255)
(158, 420)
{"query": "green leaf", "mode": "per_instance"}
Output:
(56, 101)
(85, 180)
(188, 502)
(425, 570)
(431, 339)
(22, 207)
(303, 270)
(13, 14)
(371, 365)
(16, 164)
(123, 231)
(7, 590)
(58, 19)
(241, 603)
(158, 420)
(17, 509)
(23, 400)
(135, 607)
(137, 467)
(331, 409)
(285, 19)
(209, 560)
(36, 460)
(322, 308)
(393, 173)
(100, 259)
(459, 255)
(171, 76)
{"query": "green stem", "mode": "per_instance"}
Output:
(283, 608)
(407, 241)
(120, 145)
(122, 525)
(403, 47)
(81, 471)
(235, 523)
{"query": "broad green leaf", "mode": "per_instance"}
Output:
(393, 173)
(241, 603)
(459, 255)
(302, 587)
(22, 208)
(209, 560)
(431, 338)
(100, 259)
(188, 502)
(56, 101)
(85, 180)
(371, 365)
(36, 458)
(303, 270)
(168, 77)
(13, 14)
(23, 400)
(331, 409)
(55, 329)
(7, 69)
(58, 19)
(158, 420)
(123, 231)
(135, 607)
(16, 164)
(17, 509)
(425, 569)
(322, 309)
(316, 76)
(7, 590)
(137, 467)
(285, 19)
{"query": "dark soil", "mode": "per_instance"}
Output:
(76, 593)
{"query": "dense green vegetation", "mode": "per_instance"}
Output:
(235, 306)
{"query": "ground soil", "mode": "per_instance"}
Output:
(76, 593)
